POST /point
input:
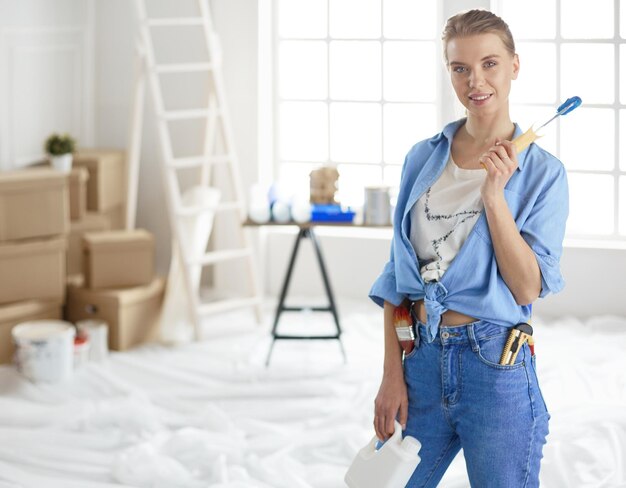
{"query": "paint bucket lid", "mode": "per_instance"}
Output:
(41, 330)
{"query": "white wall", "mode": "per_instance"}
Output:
(46, 76)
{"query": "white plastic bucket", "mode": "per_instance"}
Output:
(98, 332)
(44, 349)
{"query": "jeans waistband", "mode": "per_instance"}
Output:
(459, 334)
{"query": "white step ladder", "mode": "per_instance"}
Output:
(216, 151)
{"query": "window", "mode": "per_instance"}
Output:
(358, 83)
(572, 49)
(356, 88)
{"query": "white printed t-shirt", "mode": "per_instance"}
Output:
(443, 217)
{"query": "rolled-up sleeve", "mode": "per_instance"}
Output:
(544, 231)
(385, 288)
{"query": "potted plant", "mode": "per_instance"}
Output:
(59, 148)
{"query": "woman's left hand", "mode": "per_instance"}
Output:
(500, 161)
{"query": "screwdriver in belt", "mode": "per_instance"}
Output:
(519, 334)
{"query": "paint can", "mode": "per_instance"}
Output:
(44, 349)
(377, 205)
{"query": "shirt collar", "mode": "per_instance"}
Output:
(450, 129)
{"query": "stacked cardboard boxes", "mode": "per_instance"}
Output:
(112, 269)
(57, 242)
(106, 186)
(34, 220)
(100, 196)
(119, 287)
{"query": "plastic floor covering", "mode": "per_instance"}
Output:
(210, 414)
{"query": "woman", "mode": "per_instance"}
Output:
(478, 236)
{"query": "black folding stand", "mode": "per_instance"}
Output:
(306, 232)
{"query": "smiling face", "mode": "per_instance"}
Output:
(481, 70)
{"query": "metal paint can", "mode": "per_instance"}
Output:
(377, 206)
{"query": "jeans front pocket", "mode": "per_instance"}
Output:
(538, 395)
(409, 356)
(490, 350)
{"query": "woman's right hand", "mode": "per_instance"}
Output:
(392, 402)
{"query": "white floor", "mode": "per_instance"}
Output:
(210, 414)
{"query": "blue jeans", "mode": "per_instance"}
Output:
(460, 397)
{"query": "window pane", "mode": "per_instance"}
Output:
(580, 65)
(591, 204)
(580, 135)
(295, 177)
(352, 181)
(536, 82)
(304, 131)
(583, 20)
(523, 19)
(355, 70)
(303, 70)
(404, 125)
(526, 116)
(302, 18)
(410, 71)
(355, 19)
(355, 134)
(408, 19)
(391, 177)
(622, 205)
(622, 140)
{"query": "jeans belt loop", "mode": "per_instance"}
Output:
(472, 337)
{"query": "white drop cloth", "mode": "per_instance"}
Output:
(210, 414)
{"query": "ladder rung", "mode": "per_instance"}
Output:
(185, 114)
(174, 21)
(228, 304)
(217, 256)
(183, 67)
(198, 209)
(195, 161)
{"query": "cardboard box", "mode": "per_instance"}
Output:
(106, 187)
(131, 313)
(91, 222)
(16, 313)
(118, 258)
(33, 269)
(78, 192)
(116, 217)
(33, 203)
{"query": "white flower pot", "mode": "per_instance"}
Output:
(62, 163)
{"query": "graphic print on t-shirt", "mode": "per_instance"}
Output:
(443, 217)
(460, 216)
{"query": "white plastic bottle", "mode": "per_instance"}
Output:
(390, 466)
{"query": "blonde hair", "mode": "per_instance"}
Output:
(474, 22)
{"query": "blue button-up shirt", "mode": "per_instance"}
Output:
(537, 196)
